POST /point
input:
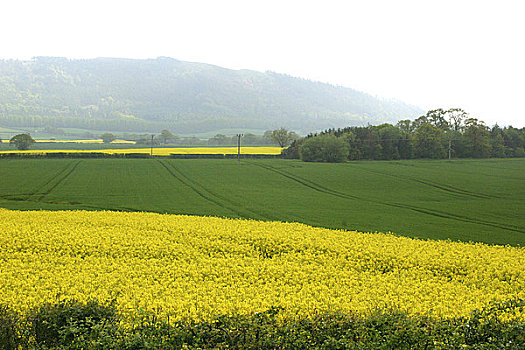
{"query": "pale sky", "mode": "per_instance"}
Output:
(434, 54)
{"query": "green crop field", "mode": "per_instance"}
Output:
(469, 200)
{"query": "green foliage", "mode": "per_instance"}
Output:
(324, 148)
(434, 135)
(282, 137)
(477, 136)
(380, 329)
(166, 136)
(68, 322)
(428, 141)
(108, 137)
(145, 95)
(292, 152)
(9, 326)
(22, 141)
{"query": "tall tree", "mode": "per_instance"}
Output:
(282, 137)
(477, 135)
(166, 135)
(456, 117)
(437, 118)
(22, 141)
(389, 137)
(108, 137)
(428, 141)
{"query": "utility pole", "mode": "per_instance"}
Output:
(449, 149)
(239, 148)
(151, 152)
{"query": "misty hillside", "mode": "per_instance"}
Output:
(149, 95)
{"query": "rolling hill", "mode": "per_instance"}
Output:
(132, 95)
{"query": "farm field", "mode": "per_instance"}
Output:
(466, 200)
(124, 148)
(198, 268)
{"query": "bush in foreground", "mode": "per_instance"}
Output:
(92, 325)
(9, 326)
(70, 322)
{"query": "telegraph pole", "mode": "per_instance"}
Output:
(239, 148)
(151, 152)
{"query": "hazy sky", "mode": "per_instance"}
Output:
(466, 54)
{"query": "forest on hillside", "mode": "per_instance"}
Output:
(127, 95)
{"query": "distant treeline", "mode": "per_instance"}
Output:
(166, 137)
(438, 134)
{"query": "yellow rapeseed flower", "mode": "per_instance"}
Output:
(164, 151)
(199, 267)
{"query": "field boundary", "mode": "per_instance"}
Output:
(55, 155)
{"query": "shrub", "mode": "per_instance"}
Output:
(324, 148)
(93, 326)
(9, 324)
(70, 321)
(22, 141)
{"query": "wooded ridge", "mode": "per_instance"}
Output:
(115, 94)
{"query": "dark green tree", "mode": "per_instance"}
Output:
(166, 135)
(283, 137)
(22, 141)
(108, 137)
(456, 117)
(437, 118)
(497, 142)
(458, 144)
(514, 141)
(250, 139)
(405, 126)
(405, 139)
(221, 139)
(389, 137)
(324, 148)
(477, 136)
(419, 121)
(428, 141)
(354, 150)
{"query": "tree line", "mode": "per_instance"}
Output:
(280, 137)
(438, 134)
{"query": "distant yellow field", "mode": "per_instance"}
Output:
(166, 151)
(80, 141)
(87, 141)
(198, 267)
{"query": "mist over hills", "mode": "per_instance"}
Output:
(149, 95)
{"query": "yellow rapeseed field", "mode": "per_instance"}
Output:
(198, 267)
(78, 141)
(87, 141)
(165, 151)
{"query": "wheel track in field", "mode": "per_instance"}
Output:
(59, 181)
(437, 213)
(446, 188)
(28, 196)
(212, 197)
